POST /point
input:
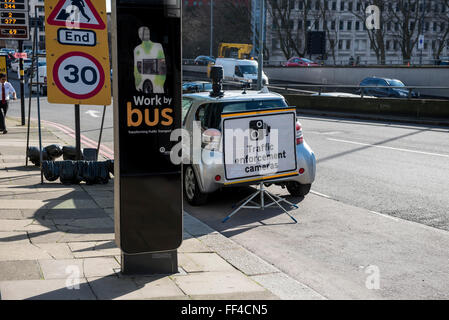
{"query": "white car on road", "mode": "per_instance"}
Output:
(209, 174)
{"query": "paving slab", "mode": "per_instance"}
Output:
(23, 204)
(94, 249)
(65, 213)
(11, 214)
(193, 245)
(212, 283)
(157, 287)
(24, 225)
(203, 262)
(100, 267)
(20, 270)
(12, 252)
(114, 288)
(61, 269)
(56, 250)
(91, 223)
(88, 235)
(13, 237)
(49, 236)
(45, 290)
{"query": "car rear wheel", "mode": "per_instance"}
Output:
(298, 190)
(192, 192)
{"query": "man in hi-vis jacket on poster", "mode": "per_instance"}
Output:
(149, 64)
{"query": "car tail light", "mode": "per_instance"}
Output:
(301, 170)
(217, 177)
(210, 139)
(299, 136)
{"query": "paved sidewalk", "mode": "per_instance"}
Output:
(57, 242)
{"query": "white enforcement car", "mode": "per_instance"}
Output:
(208, 175)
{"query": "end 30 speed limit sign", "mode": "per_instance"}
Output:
(78, 68)
(78, 75)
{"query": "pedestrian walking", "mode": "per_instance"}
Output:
(6, 90)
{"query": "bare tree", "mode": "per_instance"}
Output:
(283, 16)
(232, 23)
(442, 21)
(409, 15)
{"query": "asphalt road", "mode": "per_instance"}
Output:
(398, 170)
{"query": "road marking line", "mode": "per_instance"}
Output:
(384, 215)
(320, 194)
(391, 148)
(93, 113)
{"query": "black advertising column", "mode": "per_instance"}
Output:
(147, 108)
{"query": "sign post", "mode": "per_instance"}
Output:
(14, 25)
(147, 109)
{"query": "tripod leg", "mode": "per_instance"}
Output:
(280, 199)
(242, 205)
(272, 198)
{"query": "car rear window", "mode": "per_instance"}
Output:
(229, 107)
(210, 114)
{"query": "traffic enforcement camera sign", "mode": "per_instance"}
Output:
(77, 52)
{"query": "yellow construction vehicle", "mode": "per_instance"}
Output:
(234, 50)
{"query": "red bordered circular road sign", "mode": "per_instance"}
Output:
(78, 75)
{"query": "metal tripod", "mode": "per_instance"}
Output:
(262, 191)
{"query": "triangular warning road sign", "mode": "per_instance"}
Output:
(76, 13)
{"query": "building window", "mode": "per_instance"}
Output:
(387, 44)
(334, 6)
(348, 44)
(333, 25)
(317, 24)
(350, 6)
(341, 25)
(340, 44)
(357, 25)
(349, 25)
(342, 6)
(300, 25)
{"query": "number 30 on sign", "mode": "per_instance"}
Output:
(78, 75)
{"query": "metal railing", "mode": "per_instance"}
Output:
(360, 90)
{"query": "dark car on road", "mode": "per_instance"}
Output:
(384, 87)
(196, 86)
(204, 60)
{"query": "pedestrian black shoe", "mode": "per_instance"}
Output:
(5, 131)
